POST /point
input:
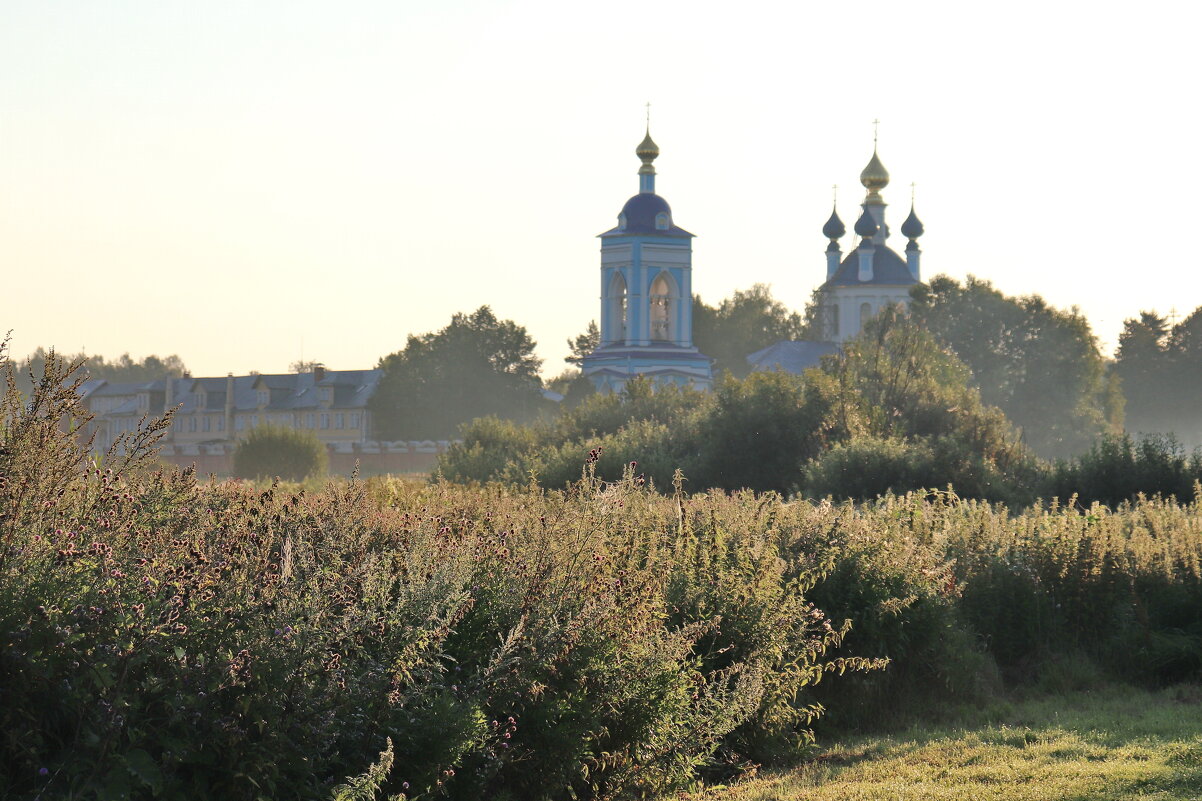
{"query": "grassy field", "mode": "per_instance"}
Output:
(1121, 743)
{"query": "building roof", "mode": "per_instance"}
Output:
(640, 212)
(791, 357)
(888, 269)
(287, 392)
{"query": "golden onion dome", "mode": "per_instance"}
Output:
(647, 151)
(874, 177)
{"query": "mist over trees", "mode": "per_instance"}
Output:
(747, 321)
(123, 369)
(1040, 365)
(475, 366)
(1161, 370)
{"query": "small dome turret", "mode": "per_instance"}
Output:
(867, 226)
(912, 227)
(834, 228)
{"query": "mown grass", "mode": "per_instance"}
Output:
(1118, 743)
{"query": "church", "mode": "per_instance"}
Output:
(859, 285)
(647, 296)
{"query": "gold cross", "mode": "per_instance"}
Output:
(875, 126)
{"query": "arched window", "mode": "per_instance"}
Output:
(661, 221)
(617, 308)
(663, 307)
(865, 314)
(621, 222)
(833, 319)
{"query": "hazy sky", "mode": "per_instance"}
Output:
(242, 183)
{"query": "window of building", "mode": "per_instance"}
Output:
(834, 312)
(865, 314)
(617, 308)
(240, 423)
(311, 420)
(327, 394)
(208, 423)
(221, 424)
(340, 420)
(661, 309)
(325, 421)
(354, 419)
(263, 396)
(191, 423)
(661, 221)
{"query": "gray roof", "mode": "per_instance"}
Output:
(888, 269)
(288, 392)
(791, 357)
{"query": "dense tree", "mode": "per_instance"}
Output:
(476, 366)
(584, 343)
(1161, 370)
(748, 321)
(122, 369)
(757, 432)
(1039, 365)
(903, 396)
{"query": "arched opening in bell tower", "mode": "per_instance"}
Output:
(663, 308)
(617, 308)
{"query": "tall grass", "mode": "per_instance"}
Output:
(161, 637)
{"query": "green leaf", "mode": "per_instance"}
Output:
(143, 767)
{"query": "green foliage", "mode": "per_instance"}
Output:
(476, 366)
(923, 425)
(893, 385)
(122, 369)
(165, 638)
(292, 454)
(1117, 469)
(583, 344)
(1161, 371)
(758, 432)
(1039, 365)
(748, 321)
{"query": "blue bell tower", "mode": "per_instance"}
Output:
(647, 294)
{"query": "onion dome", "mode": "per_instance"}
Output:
(647, 151)
(874, 177)
(834, 227)
(912, 227)
(867, 226)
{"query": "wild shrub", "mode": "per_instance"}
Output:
(292, 454)
(168, 638)
(901, 595)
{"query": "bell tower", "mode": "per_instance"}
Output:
(646, 294)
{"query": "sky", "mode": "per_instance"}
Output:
(250, 184)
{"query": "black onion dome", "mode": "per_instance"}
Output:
(866, 225)
(834, 227)
(912, 227)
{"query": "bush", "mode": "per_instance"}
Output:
(278, 452)
(1117, 469)
(166, 638)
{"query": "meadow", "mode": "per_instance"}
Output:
(163, 636)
